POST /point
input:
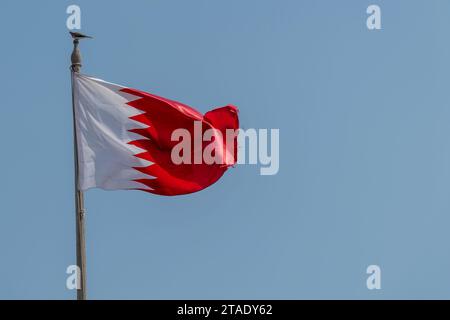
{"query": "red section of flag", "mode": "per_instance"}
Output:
(163, 116)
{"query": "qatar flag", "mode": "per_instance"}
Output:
(125, 140)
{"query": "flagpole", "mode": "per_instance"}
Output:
(79, 196)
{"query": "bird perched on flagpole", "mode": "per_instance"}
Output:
(77, 35)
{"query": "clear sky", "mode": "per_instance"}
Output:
(364, 119)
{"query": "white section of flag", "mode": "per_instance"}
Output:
(102, 119)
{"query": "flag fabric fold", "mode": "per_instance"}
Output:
(124, 140)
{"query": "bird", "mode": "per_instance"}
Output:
(77, 35)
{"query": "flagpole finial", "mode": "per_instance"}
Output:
(76, 55)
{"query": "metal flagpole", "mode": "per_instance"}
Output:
(79, 196)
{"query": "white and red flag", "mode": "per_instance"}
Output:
(125, 140)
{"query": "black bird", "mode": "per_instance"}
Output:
(77, 35)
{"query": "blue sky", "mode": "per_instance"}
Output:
(364, 150)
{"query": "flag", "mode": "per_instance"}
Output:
(125, 140)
